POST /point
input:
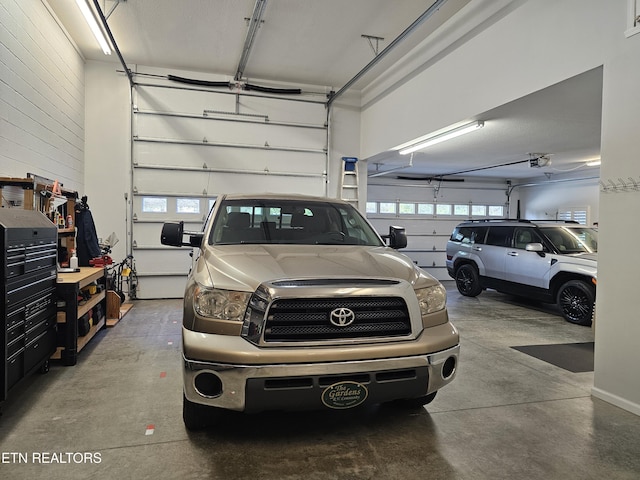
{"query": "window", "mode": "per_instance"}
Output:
(633, 18)
(407, 208)
(525, 235)
(469, 234)
(461, 210)
(499, 236)
(479, 210)
(496, 211)
(290, 222)
(154, 205)
(443, 209)
(425, 209)
(372, 207)
(580, 215)
(187, 205)
(387, 207)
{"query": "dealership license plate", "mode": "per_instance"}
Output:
(345, 394)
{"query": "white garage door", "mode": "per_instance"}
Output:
(430, 216)
(191, 144)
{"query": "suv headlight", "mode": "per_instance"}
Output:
(221, 304)
(431, 299)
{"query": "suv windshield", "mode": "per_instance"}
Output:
(264, 221)
(572, 239)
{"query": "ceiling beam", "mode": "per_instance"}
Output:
(427, 13)
(103, 20)
(254, 24)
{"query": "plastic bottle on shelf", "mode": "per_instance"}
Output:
(69, 221)
(73, 261)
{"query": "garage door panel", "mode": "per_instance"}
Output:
(148, 234)
(215, 182)
(181, 182)
(175, 261)
(179, 165)
(180, 101)
(193, 221)
(279, 111)
(225, 158)
(161, 286)
(215, 131)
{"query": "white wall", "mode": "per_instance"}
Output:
(41, 96)
(538, 43)
(617, 325)
(544, 201)
(108, 150)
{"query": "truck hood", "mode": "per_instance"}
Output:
(245, 267)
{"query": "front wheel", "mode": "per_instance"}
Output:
(419, 402)
(196, 416)
(576, 300)
(468, 280)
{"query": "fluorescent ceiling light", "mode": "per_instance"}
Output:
(427, 141)
(93, 25)
(593, 163)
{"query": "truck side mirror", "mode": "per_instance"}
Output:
(172, 234)
(397, 237)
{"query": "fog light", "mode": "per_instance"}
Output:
(449, 367)
(208, 385)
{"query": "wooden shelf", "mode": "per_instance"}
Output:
(82, 341)
(124, 309)
(92, 302)
(84, 308)
(69, 286)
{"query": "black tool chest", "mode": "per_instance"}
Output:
(28, 282)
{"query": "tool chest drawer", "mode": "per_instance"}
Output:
(28, 273)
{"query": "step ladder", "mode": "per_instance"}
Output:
(349, 181)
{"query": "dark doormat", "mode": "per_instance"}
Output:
(575, 357)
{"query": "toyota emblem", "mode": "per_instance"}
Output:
(342, 317)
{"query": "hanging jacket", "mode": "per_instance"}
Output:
(87, 246)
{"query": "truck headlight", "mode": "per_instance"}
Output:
(221, 304)
(432, 299)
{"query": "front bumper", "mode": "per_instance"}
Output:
(254, 388)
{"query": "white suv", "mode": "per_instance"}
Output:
(550, 262)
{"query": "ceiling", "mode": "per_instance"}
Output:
(321, 43)
(561, 121)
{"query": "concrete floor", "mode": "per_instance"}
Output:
(506, 416)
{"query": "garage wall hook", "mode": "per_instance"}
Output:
(620, 185)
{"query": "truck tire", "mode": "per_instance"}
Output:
(419, 402)
(196, 416)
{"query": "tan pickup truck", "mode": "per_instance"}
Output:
(295, 302)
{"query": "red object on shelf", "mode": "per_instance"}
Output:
(101, 261)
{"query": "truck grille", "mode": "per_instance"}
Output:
(291, 320)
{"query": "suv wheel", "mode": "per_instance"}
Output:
(468, 280)
(576, 300)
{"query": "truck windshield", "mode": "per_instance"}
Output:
(266, 221)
